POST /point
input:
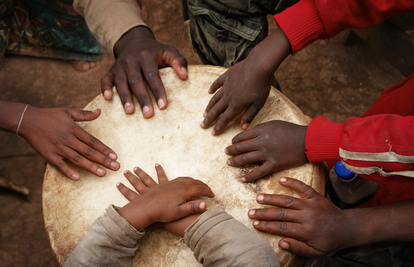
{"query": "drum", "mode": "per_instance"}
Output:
(173, 138)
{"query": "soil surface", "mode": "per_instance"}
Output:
(327, 78)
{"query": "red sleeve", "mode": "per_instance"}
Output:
(376, 144)
(310, 20)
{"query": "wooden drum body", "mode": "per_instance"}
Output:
(173, 138)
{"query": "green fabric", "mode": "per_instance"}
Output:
(46, 28)
(223, 32)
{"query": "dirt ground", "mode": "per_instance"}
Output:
(327, 78)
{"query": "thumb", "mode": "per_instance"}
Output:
(178, 63)
(297, 247)
(192, 207)
(84, 115)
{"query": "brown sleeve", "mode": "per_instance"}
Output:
(110, 241)
(217, 239)
(108, 20)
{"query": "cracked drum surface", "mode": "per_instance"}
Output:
(173, 138)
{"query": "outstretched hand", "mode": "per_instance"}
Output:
(165, 202)
(277, 144)
(138, 57)
(246, 86)
(54, 134)
(312, 226)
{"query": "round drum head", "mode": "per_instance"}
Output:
(173, 138)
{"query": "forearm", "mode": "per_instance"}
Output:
(310, 20)
(10, 114)
(217, 239)
(270, 53)
(110, 241)
(392, 222)
(109, 20)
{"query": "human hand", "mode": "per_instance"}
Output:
(54, 134)
(277, 144)
(166, 202)
(139, 56)
(246, 85)
(312, 226)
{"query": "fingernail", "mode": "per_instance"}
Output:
(184, 70)
(252, 212)
(125, 172)
(202, 205)
(282, 180)
(202, 125)
(145, 109)
(245, 126)
(260, 197)
(101, 171)
(75, 176)
(284, 245)
(226, 152)
(229, 162)
(112, 155)
(107, 94)
(157, 165)
(118, 184)
(213, 132)
(95, 111)
(135, 169)
(243, 179)
(127, 106)
(255, 223)
(161, 103)
(205, 114)
(114, 165)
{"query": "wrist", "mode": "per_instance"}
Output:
(136, 216)
(271, 52)
(139, 33)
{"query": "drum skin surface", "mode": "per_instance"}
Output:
(172, 137)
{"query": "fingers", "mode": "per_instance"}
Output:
(82, 162)
(83, 115)
(279, 201)
(121, 85)
(178, 63)
(225, 118)
(274, 214)
(304, 190)
(192, 207)
(258, 173)
(162, 177)
(152, 76)
(248, 116)
(298, 247)
(59, 164)
(217, 83)
(196, 188)
(107, 82)
(215, 107)
(126, 192)
(242, 138)
(279, 228)
(246, 158)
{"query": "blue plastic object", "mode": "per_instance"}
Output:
(343, 173)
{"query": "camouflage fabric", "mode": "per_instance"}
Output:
(45, 28)
(223, 32)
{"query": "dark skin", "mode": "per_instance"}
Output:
(169, 202)
(138, 58)
(277, 144)
(244, 88)
(54, 134)
(313, 226)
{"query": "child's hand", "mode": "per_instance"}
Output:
(245, 86)
(277, 144)
(312, 226)
(165, 202)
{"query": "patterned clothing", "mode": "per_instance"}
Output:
(45, 28)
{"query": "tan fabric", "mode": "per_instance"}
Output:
(110, 241)
(108, 20)
(217, 239)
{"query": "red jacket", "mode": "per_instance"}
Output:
(379, 145)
